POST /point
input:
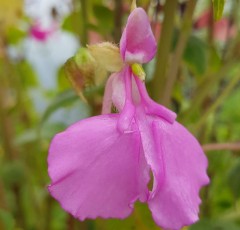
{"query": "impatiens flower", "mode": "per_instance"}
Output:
(101, 165)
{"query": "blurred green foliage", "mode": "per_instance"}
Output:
(206, 96)
(218, 6)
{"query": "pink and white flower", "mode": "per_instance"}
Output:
(101, 165)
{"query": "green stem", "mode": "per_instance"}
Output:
(164, 48)
(84, 17)
(118, 13)
(3, 200)
(176, 60)
(210, 36)
(6, 125)
(48, 217)
(218, 102)
(233, 18)
(70, 222)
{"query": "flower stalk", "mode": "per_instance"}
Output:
(163, 51)
(177, 56)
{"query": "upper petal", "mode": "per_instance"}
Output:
(95, 170)
(137, 43)
(176, 203)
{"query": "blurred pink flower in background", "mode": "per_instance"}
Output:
(46, 49)
(223, 29)
(41, 34)
(101, 165)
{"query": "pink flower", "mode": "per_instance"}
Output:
(101, 165)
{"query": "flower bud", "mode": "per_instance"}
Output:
(107, 55)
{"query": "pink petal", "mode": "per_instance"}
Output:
(151, 107)
(176, 203)
(150, 149)
(95, 170)
(204, 19)
(41, 34)
(107, 99)
(128, 112)
(138, 43)
(119, 94)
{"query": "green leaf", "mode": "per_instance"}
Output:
(214, 60)
(73, 23)
(218, 6)
(234, 179)
(104, 17)
(14, 35)
(214, 225)
(59, 218)
(61, 100)
(28, 136)
(228, 113)
(6, 220)
(63, 82)
(195, 55)
(229, 108)
(13, 173)
(27, 74)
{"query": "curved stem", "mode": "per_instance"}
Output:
(151, 106)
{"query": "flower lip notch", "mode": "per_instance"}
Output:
(101, 165)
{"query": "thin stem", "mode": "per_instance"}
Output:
(70, 222)
(164, 48)
(6, 132)
(232, 19)
(7, 128)
(211, 26)
(84, 16)
(221, 146)
(49, 213)
(118, 13)
(176, 60)
(138, 218)
(6, 125)
(3, 200)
